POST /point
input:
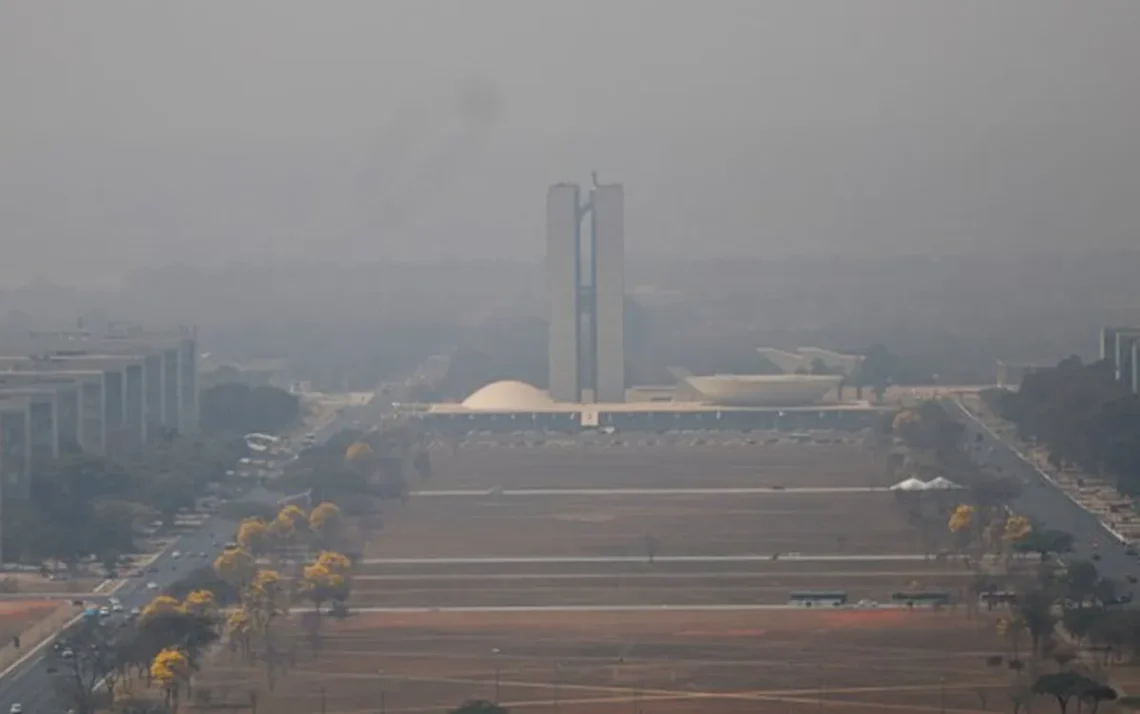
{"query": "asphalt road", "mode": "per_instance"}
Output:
(1043, 502)
(30, 684)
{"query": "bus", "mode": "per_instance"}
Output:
(817, 598)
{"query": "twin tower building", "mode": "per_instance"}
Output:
(585, 261)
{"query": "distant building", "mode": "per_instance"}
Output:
(804, 359)
(1010, 374)
(1118, 347)
(586, 285)
(104, 393)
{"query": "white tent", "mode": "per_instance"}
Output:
(941, 484)
(910, 484)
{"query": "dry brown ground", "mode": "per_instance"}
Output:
(18, 615)
(739, 588)
(842, 661)
(673, 662)
(777, 522)
(659, 466)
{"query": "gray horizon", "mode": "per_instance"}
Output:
(139, 134)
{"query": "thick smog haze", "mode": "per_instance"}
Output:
(137, 134)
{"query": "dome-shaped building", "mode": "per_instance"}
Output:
(508, 396)
(762, 390)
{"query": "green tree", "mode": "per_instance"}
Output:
(1045, 542)
(236, 408)
(1035, 609)
(877, 370)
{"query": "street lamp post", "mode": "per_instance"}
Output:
(498, 673)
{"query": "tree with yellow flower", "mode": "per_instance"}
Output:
(253, 536)
(201, 602)
(294, 515)
(236, 566)
(335, 562)
(171, 670)
(961, 519)
(326, 523)
(239, 628)
(1017, 529)
(288, 528)
(265, 599)
(161, 605)
(961, 525)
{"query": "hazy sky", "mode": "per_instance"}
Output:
(136, 133)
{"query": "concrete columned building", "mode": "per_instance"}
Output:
(1121, 347)
(101, 394)
(586, 283)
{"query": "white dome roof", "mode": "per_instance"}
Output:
(508, 395)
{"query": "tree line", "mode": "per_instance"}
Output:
(1082, 414)
(240, 599)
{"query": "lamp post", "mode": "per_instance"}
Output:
(498, 672)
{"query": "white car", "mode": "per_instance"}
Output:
(16, 708)
(117, 607)
(152, 585)
(176, 554)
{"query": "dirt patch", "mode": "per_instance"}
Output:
(757, 661)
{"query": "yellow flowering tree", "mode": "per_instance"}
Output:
(961, 519)
(236, 566)
(161, 605)
(325, 522)
(265, 599)
(294, 515)
(252, 536)
(335, 562)
(170, 669)
(961, 524)
(1017, 529)
(201, 602)
(327, 579)
(239, 628)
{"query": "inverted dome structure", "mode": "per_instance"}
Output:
(768, 390)
(941, 483)
(508, 395)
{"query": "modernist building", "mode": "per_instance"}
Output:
(101, 394)
(1120, 346)
(586, 282)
